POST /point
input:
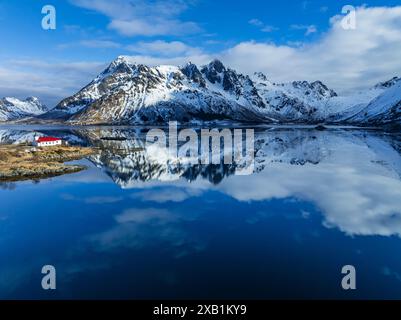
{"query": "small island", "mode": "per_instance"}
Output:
(23, 162)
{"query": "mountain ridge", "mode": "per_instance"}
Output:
(130, 93)
(13, 109)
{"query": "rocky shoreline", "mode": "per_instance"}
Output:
(19, 163)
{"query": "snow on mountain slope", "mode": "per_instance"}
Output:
(295, 101)
(352, 108)
(127, 92)
(342, 108)
(131, 93)
(13, 108)
(386, 108)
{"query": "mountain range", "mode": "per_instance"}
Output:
(130, 93)
(14, 109)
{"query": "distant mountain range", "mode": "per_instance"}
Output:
(14, 109)
(131, 93)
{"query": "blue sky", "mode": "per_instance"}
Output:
(244, 34)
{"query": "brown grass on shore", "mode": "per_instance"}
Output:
(18, 162)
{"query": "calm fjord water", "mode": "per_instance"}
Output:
(136, 226)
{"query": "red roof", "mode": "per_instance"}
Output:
(48, 139)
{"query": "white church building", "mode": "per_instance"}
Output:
(47, 141)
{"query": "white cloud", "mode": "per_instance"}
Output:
(256, 22)
(309, 29)
(100, 44)
(268, 28)
(344, 59)
(138, 227)
(166, 195)
(93, 44)
(145, 215)
(151, 60)
(153, 28)
(138, 17)
(92, 200)
(25, 77)
(263, 27)
(164, 48)
(356, 184)
(353, 205)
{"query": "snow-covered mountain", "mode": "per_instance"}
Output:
(14, 109)
(298, 101)
(384, 109)
(127, 92)
(374, 106)
(131, 93)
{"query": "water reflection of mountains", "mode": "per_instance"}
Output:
(125, 165)
(128, 161)
(125, 157)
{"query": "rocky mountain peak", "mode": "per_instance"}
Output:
(36, 102)
(260, 76)
(317, 87)
(217, 65)
(123, 60)
(192, 72)
(322, 89)
(32, 99)
(231, 81)
(131, 93)
(120, 65)
(213, 71)
(388, 84)
(13, 108)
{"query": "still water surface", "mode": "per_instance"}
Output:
(136, 226)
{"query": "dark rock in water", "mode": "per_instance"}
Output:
(393, 127)
(320, 127)
(114, 138)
